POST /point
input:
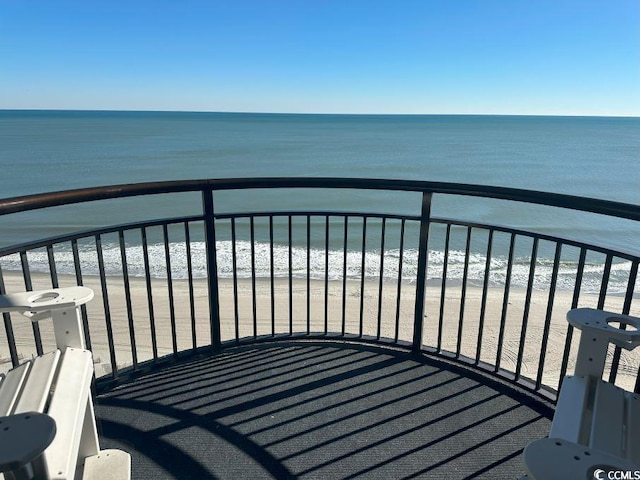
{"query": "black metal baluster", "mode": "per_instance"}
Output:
(505, 302)
(290, 274)
(463, 294)
(362, 275)
(485, 288)
(172, 310)
(527, 306)
(399, 288)
(443, 288)
(308, 274)
(105, 303)
(127, 296)
(8, 327)
(254, 300)
(602, 297)
(192, 306)
(626, 308)
(574, 303)
(79, 282)
(326, 276)
(547, 320)
(52, 267)
(147, 276)
(344, 276)
(272, 275)
(383, 232)
(26, 274)
(605, 281)
(236, 313)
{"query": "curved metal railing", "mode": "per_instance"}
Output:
(490, 296)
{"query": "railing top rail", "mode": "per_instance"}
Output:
(67, 197)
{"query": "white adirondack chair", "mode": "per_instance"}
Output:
(48, 427)
(596, 426)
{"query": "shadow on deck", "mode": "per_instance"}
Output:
(323, 410)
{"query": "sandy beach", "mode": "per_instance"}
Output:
(361, 316)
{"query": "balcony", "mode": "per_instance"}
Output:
(323, 328)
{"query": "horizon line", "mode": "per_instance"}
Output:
(240, 112)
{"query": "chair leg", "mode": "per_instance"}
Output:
(89, 440)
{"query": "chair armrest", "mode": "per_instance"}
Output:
(38, 305)
(23, 438)
(61, 304)
(602, 323)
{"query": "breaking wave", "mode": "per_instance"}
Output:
(298, 262)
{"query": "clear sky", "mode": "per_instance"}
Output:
(557, 57)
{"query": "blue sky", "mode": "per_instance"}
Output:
(573, 57)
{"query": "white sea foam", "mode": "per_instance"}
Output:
(294, 261)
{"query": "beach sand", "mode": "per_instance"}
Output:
(356, 307)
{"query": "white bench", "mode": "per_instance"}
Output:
(47, 423)
(596, 426)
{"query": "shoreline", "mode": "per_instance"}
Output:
(370, 314)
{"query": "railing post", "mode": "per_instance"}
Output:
(423, 251)
(212, 267)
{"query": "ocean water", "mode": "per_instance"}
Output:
(51, 150)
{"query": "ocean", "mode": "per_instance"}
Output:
(42, 151)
